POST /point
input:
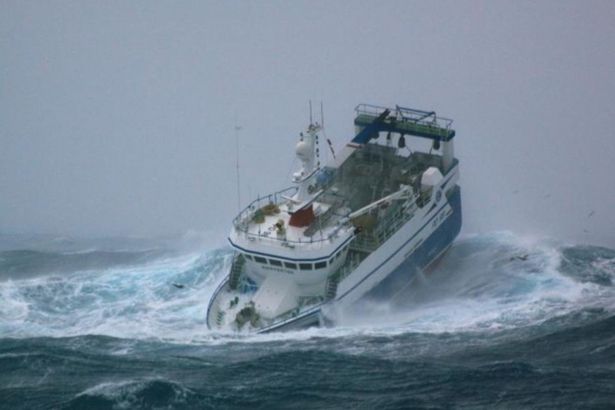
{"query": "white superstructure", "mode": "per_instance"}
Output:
(344, 229)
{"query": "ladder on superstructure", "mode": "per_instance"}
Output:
(236, 268)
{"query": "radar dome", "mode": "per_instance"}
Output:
(303, 150)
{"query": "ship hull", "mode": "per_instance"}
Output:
(430, 251)
(423, 246)
(309, 318)
(304, 321)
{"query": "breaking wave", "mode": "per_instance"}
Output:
(501, 321)
(488, 282)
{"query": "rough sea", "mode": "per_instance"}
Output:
(502, 322)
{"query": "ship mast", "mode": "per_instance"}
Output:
(237, 129)
(308, 152)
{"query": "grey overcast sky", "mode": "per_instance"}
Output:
(116, 117)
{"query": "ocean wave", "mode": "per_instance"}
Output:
(496, 282)
(485, 283)
(131, 302)
(501, 322)
(131, 394)
(26, 263)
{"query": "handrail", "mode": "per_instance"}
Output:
(408, 114)
(285, 320)
(277, 196)
(214, 297)
(241, 225)
(333, 234)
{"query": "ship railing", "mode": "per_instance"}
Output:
(304, 305)
(428, 118)
(242, 220)
(369, 241)
(321, 220)
(365, 242)
(396, 219)
(290, 243)
(213, 309)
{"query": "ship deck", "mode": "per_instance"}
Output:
(369, 174)
(291, 234)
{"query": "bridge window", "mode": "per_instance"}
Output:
(275, 262)
(290, 265)
(305, 266)
(260, 260)
(249, 257)
(320, 265)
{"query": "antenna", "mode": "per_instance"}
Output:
(310, 112)
(237, 129)
(322, 116)
(322, 126)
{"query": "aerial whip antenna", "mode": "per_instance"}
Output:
(331, 147)
(322, 116)
(237, 129)
(322, 120)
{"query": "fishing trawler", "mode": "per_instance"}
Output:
(360, 226)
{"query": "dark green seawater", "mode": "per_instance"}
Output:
(501, 322)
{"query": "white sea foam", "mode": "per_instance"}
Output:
(489, 282)
(126, 394)
(137, 302)
(486, 282)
